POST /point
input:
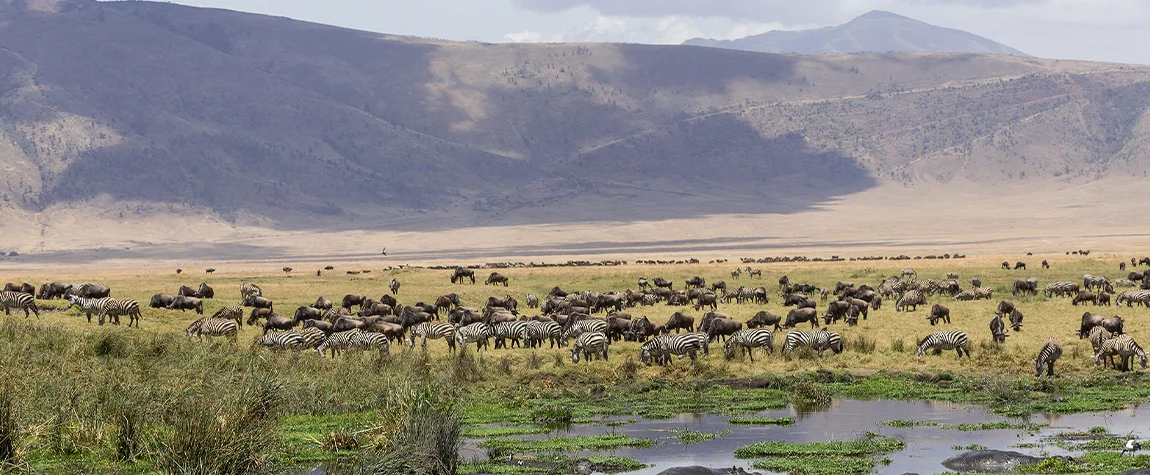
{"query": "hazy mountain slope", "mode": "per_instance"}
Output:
(138, 109)
(877, 31)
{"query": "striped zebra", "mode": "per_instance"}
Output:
(749, 340)
(1098, 335)
(590, 344)
(121, 307)
(88, 306)
(659, 349)
(1125, 283)
(231, 312)
(965, 295)
(1132, 297)
(11, 299)
(583, 326)
(477, 333)
(983, 293)
(818, 340)
(912, 298)
(955, 340)
(248, 289)
(1123, 346)
(435, 331)
(352, 340)
(213, 327)
(538, 332)
(1047, 355)
(513, 331)
(1061, 289)
(279, 341)
(1090, 282)
(312, 337)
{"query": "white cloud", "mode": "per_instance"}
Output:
(524, 37)
(670, 29)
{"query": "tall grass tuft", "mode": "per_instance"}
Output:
(898, 346)
(862, 344)
(9, 429)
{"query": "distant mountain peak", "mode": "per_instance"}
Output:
(876, 31)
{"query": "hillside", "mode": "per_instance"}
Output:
(195, 123)
(874, 32)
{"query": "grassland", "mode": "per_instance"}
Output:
(91, 398)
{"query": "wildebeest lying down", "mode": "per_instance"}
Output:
(182, 303)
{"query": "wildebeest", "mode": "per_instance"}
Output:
(1113, 324)
(1019, 265)
(53, 290)
(495, 279)
(22, 288)
(607, 301)
(643, 284)
(707, 299)
(308, 313)
(1022, 287)
(322, 303)
(680, 321)
(508, 302)
(800, 315)
(206, 291)
(1005, 265)
(188, 292)
(351, 299)
(859, 304)
(374, 309)
(835, 311)
(182, 303)
(462, 273)
(975, 282)
(718, 284)
(257, 302)
(938, 312)
(696, 282)
(1085, 296)
(717, 325)
(998, 329)
(1016, 320)
(90, 291)
(1005, 307)
(1045, 265)
(662, 283)
(277, 322)
(447, 302)
(161, 300)
(764, 319)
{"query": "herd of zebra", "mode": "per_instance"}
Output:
(568, 316)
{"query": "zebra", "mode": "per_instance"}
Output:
(11, 299)
(965, 295)
(435, 331)
(1098, 335)
(354, 339)
(749, 340)
(912, 298)
(477, 332)
(1132, 297)
(1060, 289)
(908, 272)
(248, 289)
(537, 332)
(87, 305)
(394, 286)
(583, 326)
(231, 312)
(1090, 282)
(590, 344)
(752, 273)
(945, 341)
(1123, 346)
(660, 349)
(736, 273)
(818, 340)
(998, 329)
(983, 293)
(117, 307)
(213, 327)
(1124, 283)
(312, 337)
(513, 331)
(1049, 353)
(282, 341)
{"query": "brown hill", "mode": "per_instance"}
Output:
(139, 109)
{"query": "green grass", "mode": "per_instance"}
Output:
(565, 444)
(909, 423)
(551, 463)
(762, 421)
(493, 432)
(693, 436)
(820, 458)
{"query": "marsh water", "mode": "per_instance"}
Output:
(926, 446)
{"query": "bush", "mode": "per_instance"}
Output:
(897, 346)
(807, 394)
(862, 344)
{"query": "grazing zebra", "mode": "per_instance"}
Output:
(1049, 353)
(749, 340)
(1132, 297)
(532, 301)
(1098, 335)
(312, 337)
(1123, 346)
(908, 272)
(590, 344)
(117, 307)
(1061, 289)
(477, 333)
(818, 340)
(435, 331)
(394, 286)
(983, 293)
(660, 349)
(998, 329)
(11, 299)
(1090, 282)
(231, 312)
(280, 341)
(248, 289)
(213, 327)
(583, 326)
(87, 305)
(965, 295)
(354, 339)
(513, 331)
(945, 341)
(537, 332)
(736, 273)
(912, 298)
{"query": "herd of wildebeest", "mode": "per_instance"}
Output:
(358, 322)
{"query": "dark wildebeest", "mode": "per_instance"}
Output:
(277, 322)
(696, 282)
(464, 316)
(707, 299)
(1103, 299)
(346, 323)
(188, 292)
(1005, 265)
(998, 329)
(1135, 276)
(257, 302)
(322, 303)
(161, 300)
(662, 283)
(1045, 265)
(462, 273)
(557, 292)
(1085, 296)
(643, 284)
(783, 281)
(859, 304)
(800, 315)
(308, 313)
(374, 309)
(1022, 287)
(1005, 307)
(717, 325)
(388, 299)
(1019, 265)
(718, 284)
(447, 302)
(495, 279)
(876, 303)
(352, 299)
(617, 326)
(938, 312)
(25, 288)
(607, 301)
(835, 311)
(1089, 320)
(680, 321)
(258, 313)
(206, 291)
(396, 332)
(1016, 320)
(182, 303)
(92, 291)
(975, 282)
(507, 302)
(765, 319)
(53, 290)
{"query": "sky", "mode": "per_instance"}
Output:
(1098, 30)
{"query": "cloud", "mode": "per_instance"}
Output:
(784, 11)
(524, 37)
(671, 29)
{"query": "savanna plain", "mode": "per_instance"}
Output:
(80, 397)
